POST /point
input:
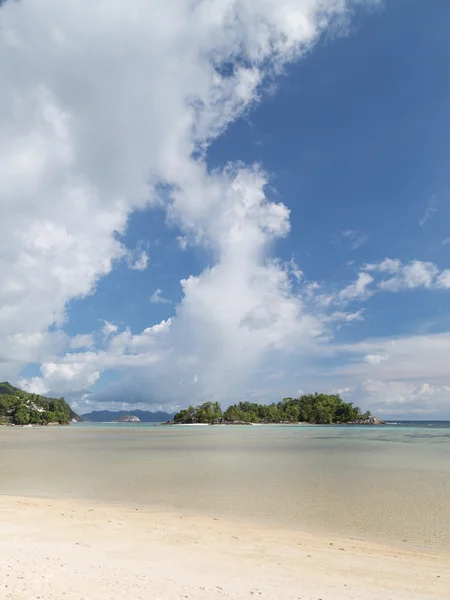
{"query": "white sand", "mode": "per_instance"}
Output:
(71, 550)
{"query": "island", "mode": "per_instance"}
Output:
(18, 407)
(318, 409)
(128, 419)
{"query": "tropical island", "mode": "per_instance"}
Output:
(319, 409)
(22, 408)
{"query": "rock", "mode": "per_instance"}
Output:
(128, 419)
(368, 421)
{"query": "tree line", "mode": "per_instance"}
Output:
(310, 408)
(22, 408)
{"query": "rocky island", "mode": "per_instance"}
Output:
(317, 409)
(128, 419)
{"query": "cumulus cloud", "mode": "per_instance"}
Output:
(415, 274)
(97, 112)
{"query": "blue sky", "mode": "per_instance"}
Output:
(191, 280)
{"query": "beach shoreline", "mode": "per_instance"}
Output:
(53, 548)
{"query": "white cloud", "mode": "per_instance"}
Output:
(158, 298)
(354, 238)
(34, 385)
(430, 211)
(375, 359)
(109, 328)
(67, 376)
(357, 290)
(346, 317)
(123, 350)
(394, 377)
(443, 281)
(414, 274)
(388, 265)
(342, 391)
(62, 377)
(140, 263)
(410, 399)
(82, 341)
(409, 357)
(183, 242)
(96, 112)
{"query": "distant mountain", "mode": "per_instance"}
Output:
(145, 416)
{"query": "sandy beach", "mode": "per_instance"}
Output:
(80, 551)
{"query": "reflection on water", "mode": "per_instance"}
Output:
(385, 483)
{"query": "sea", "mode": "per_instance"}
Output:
(382, 483)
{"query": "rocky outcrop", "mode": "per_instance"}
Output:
(128, 419)
(367, 421)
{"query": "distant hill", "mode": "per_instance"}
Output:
(145, 416)
(22, 408)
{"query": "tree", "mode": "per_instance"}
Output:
(35, 417)
(186, 415)
(21, 416)
(208, 412)
(311, 408)
(48, 417)
(4, 407)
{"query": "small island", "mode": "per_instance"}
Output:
(22, 408)
(128, 419)
(318, 409)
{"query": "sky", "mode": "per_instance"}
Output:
(226, 200)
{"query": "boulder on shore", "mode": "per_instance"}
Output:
(367, 421)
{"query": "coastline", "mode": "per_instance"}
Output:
(53, 548)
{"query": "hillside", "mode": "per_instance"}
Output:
(22, 408)
(145, 416)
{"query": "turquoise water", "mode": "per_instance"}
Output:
(387, 483)
(396, 424)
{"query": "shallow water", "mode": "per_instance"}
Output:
(385, 483)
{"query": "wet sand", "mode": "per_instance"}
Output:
(78, 551)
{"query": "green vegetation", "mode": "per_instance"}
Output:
(21, 408)
(310, 408)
